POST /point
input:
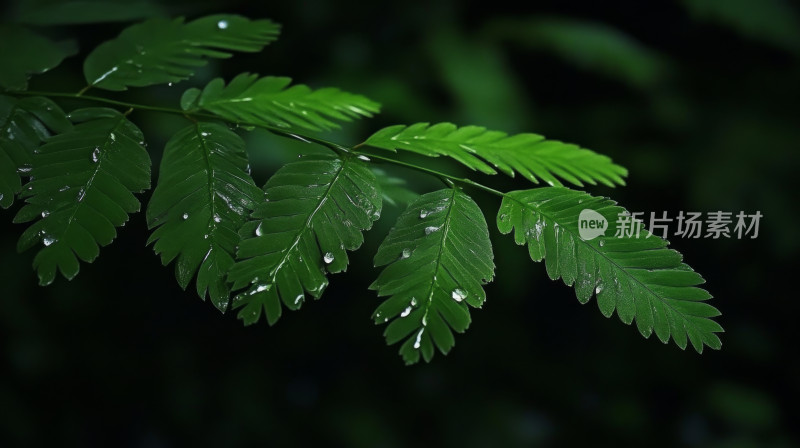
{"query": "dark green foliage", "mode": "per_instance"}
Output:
(161, 51)
(203, 197)
(81, 188)
(314, 211)
(24, 125)
(271, 248)
(26, 53)
(636, 276)
(438, 256)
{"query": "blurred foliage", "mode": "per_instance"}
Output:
(697, 98)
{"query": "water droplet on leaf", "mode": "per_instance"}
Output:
(459, 294)
(328, 258)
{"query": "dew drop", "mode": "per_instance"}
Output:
(81, 194)
(45, 213)
(48, 240)
(459, 294)
(96, 153)
(406, 312)
(503, 217)
(222, 24)
(418, 341)
(406, 253)
(431, 229)
(602, 243)
(217, 218)
(185, 216)
(204, 134)
(113, 137)
(259, 232)
(413, 301)
(423, 214)
(64, 188)
(598, 290)
(169, 84)
(425, 320)
(364, 158)
(328, 258)
(24, 169)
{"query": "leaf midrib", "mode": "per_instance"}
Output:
(445, 229)
(611, 261)
(307, 226)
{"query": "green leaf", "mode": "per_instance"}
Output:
(75, 12)
(271, 101)
(81, 188)
(204, 195)
(638, 277)
(480, 149)
(24, 125)
(314, 211)
(438, 255)
(161, 51)
(26, 53)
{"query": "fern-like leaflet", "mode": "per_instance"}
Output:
(24, 125)
(160, 51)
(438, 255)
(480, 149)
(203, 197)
(635, 275)
(314, 211)
(270, 101)
(81, 188)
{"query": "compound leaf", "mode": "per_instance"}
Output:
(81, 188)
(480, 149)
(204, 195)
(24, 125)
(160, 51)
(272, 101)
(438, 255)
(314, 211)
(632, 273)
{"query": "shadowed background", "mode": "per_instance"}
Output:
(696, 98)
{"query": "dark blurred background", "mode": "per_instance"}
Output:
(698, 98)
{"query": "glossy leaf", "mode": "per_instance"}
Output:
(314, 211)
(272, 101)
(26, 53)
(161, 51)
(24, 125)
(480, 149)
(204, 195)
(438, 255)
(81, 188)
(639, 277)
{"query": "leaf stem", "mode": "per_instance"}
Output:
(292, 134)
